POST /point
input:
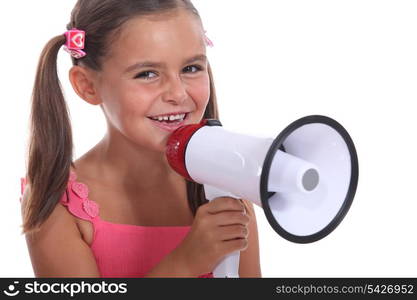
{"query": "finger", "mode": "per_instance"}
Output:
(232, 232)
(244, 206)
(234, 245)
(225, 203)
(230, 218)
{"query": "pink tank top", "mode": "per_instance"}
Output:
(121, 250)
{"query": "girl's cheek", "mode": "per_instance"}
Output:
(200, 91)
(141, 97)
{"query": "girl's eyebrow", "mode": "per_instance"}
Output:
(150, 64)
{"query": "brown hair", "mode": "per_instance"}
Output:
(50, 154)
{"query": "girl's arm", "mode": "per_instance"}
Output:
(58, 249)
(249, 258)
(176, 262)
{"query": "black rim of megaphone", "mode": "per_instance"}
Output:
(277, 144)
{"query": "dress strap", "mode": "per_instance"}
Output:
(75, 198)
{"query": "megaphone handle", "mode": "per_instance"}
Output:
(213, 193)
(229, 265)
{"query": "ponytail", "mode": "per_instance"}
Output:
(50, 144)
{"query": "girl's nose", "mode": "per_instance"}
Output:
(175, 91)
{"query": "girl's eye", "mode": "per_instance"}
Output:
(146, 75)
(192, 69)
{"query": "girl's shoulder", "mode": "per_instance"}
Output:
(58, 247)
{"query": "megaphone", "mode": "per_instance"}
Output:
(305, 179)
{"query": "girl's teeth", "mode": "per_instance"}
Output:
(169, 118)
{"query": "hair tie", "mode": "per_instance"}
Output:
(207, 40)
(75, 43)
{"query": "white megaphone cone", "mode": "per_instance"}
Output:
(305, 179)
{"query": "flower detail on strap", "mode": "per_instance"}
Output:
(91, 208)
(76, 200)
(80, 189)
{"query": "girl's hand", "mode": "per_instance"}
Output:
(219, 228)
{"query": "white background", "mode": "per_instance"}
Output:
(273, 62)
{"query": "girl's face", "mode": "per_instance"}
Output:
(156, 66)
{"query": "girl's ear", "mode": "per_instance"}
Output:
(83, 83)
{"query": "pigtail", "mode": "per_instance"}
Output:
(50, 144)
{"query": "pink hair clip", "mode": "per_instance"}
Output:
(208, 41)
(75, 43)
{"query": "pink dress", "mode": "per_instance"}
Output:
(121, 250)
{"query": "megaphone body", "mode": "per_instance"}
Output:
(304, 179)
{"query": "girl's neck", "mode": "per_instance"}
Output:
(117, 161)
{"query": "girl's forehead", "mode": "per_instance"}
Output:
(158, 35)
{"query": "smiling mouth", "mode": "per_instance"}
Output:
(170, 119)
(171, 123)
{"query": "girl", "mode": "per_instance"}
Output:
(122, 211)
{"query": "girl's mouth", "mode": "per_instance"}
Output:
(170, 123)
